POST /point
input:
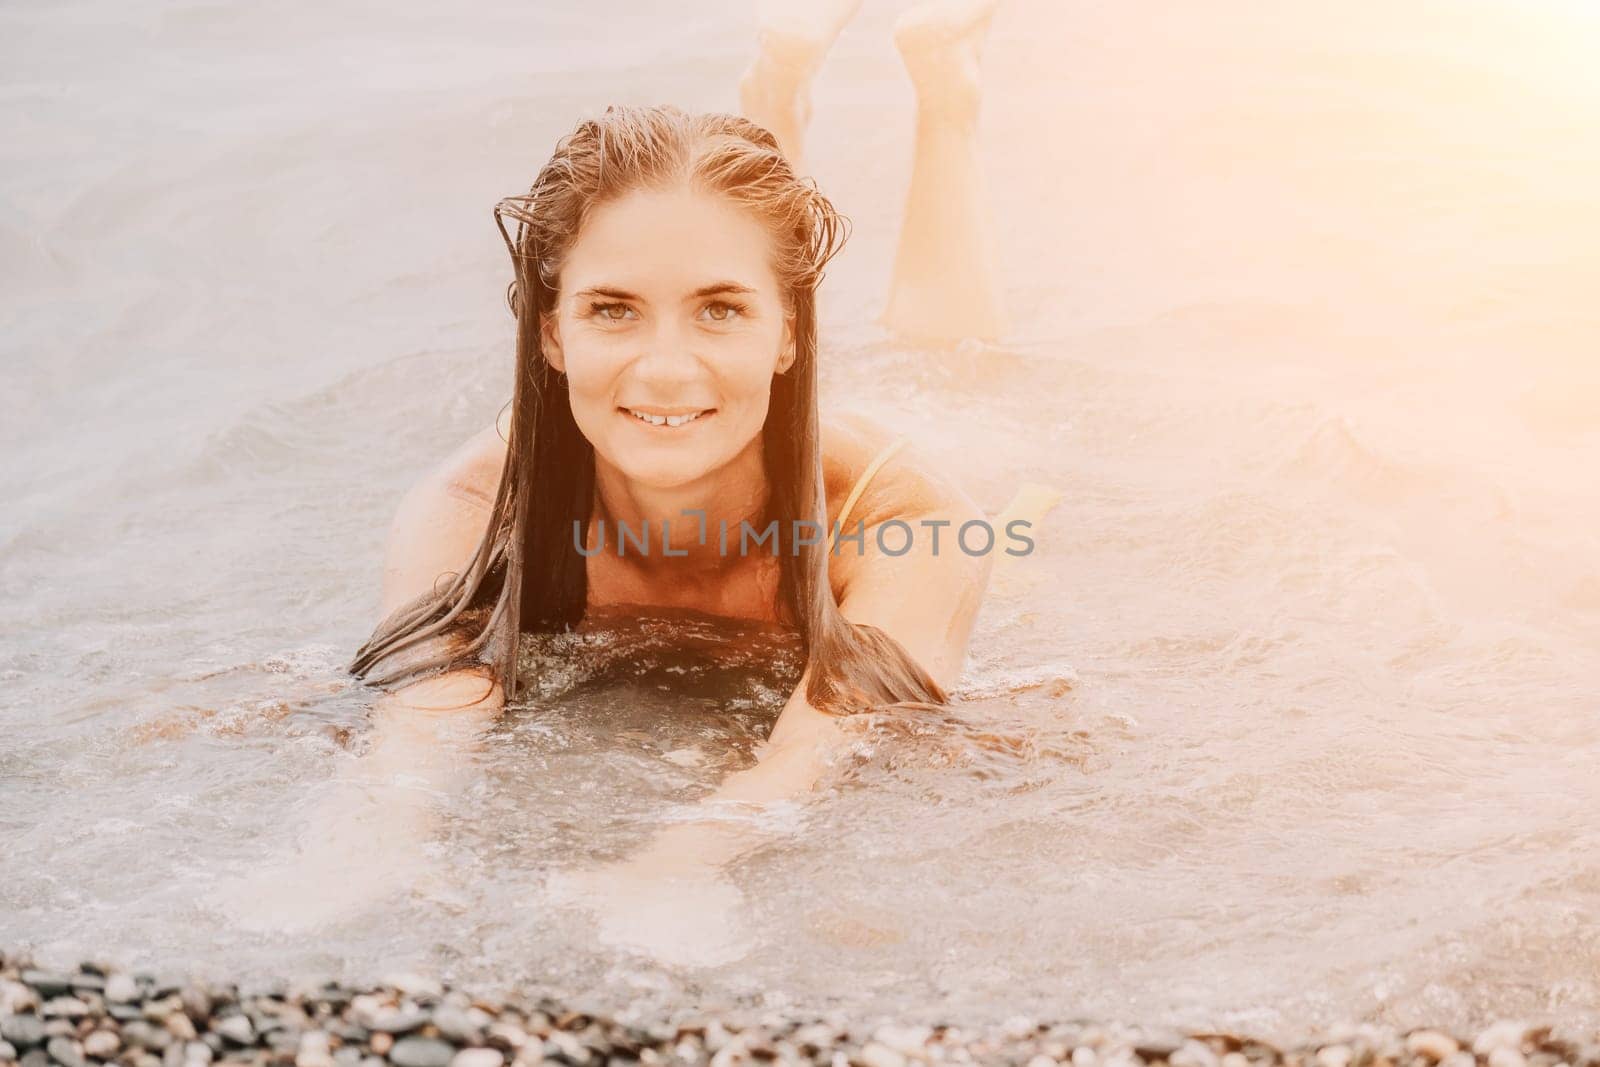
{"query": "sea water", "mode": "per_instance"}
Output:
(1291, 718)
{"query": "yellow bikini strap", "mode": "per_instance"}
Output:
(861, 483)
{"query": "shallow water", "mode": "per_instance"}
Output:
(1299, 688)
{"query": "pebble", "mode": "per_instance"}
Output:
(23, 1031)
(909, 1041)
(1504, 1033)
(1194, 1054)
(397, 1020)
(414, 985)
(47, 983)
(1434, 1045)
(421, 1052)
(196, 1004)
(877, 1054)
(121, 989)
(459, 1026)
(478, 1057)
(66, 1052)
(236, 1028)
(102, 1044)
(64, 1008)
(103, 1016)
(1334, 1056)
(140, 1034)
(313, 1050)
(508, 1036)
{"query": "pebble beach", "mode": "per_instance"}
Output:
(97, 1015)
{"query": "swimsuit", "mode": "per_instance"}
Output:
(861, 483)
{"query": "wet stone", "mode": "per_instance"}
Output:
(121, 989)
(349, 1033)
(421, 1052)
(196, 1004)
(64, 1008)
(140, 1034)
(1431, 1044)
(313, 1050)
(478, 1057)
(23, 1031)
(284, 1040)
(102, 1044)
(457, 1025)
(66, 1052)
(48, 983)
(1158, 1046)
(236, 1028)
(877, 1054)
(1334, 1056)
(397, 1020)
(415, 985)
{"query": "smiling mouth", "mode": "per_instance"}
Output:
(666, 420)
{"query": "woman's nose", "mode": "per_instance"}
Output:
(668, 355)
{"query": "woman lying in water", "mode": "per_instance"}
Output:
(666, 268)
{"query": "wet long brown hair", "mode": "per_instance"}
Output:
(527, 573)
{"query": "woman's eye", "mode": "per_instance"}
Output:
(610, 312)
(723, 311)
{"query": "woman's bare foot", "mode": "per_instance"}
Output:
(775, 91)
(941, 44)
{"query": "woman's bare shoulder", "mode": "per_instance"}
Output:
(472, 471)
(910, 483)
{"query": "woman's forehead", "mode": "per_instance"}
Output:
(673, 241)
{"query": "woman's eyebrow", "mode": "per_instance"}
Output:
(622, 294)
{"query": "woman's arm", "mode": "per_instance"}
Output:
(365, 833)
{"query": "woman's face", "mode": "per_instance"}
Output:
(669, 326)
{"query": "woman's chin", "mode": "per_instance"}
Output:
(673, 473)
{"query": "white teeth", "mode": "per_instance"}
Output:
(665, 420)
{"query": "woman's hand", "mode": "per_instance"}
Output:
(675, 911)
(368, 838)
(364, 844)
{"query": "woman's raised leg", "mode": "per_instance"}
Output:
(944, 286)
(794, 37)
